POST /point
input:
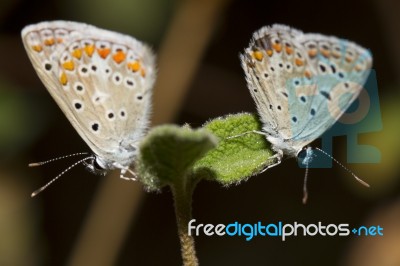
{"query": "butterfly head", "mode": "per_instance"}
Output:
(121, 159)
(95, 166)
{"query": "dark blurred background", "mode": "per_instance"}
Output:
(83, 219)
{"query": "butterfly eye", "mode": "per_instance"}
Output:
(96, 165)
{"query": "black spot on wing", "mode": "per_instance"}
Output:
(326, 95)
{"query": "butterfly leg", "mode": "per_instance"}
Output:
(278, 157)
(123, 172)
(125, 169)
(245, 133)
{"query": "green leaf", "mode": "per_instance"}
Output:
(168, 152)
(236, 158)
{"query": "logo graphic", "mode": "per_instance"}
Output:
(281, 230)
(363, 116)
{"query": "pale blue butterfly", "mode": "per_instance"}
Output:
(301, 84)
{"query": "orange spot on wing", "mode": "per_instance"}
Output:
(289, 50)
(89, 49)
(77, 53)
(336, 54)
(69, 65)
(134, 66)
(103, 52)
(325, 53)
(63, 78)
(37, 48)
(349, 59)
(143, 72)
(277, 47)
(358, 68)
(269, 52)
(258, 55)
(119, 57)
(312, 52)
(49, 42)
(298, 62)
(59, 40)
(307, 73)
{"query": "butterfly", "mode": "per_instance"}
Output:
(301, 84)
(102, 81)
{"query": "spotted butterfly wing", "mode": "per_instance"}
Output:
(302, 83)
(101, 80)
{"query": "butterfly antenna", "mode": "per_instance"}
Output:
(305, 190)
(345, 168)
(59, 175)
(56, 159)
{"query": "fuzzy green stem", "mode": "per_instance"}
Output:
(182, 194)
